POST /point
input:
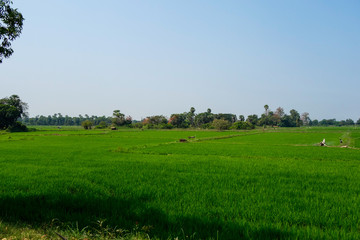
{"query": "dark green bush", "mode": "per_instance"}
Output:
(17, 127)
(87, 124)
(242, 125)
(136, 125)
(207, 126)
(158, 126)
(166, 126)
(102, 125)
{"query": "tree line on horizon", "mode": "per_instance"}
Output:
(204, 120)
(13, 117)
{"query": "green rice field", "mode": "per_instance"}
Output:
(259, 184)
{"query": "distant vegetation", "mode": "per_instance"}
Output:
(12, 109)
(204, 120)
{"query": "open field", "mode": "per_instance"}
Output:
(259, 184)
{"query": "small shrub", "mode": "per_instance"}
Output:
(17, 127)
(87, 124)
(102, 125)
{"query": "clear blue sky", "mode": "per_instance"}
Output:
(163, 57)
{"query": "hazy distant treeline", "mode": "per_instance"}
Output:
(59, 120)
(13, 117)
(192, 120)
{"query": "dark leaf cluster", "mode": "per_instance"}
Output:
(11, 110)
(11, 24)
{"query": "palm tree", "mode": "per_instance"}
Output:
(266, 109)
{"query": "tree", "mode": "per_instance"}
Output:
(157, 121)
(341, 123)
(314, 122)
(286, 121)
(118, 118)
(349, 122)
(278, 114)
(191, 116)
(241, 118)
(15, 101)
(221, 124)
(295, 118)
(179, 120)
(227, 116)
(267, 119)
(11, 109)
(11, 22)
(128, 120)
(253, 119)
(305, 118)
(8, 116)
(266, 109)
(87, 124)
(204, 118)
